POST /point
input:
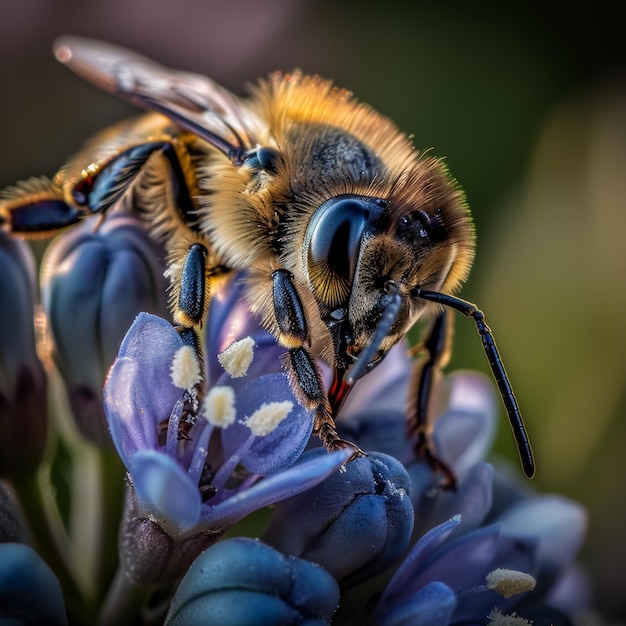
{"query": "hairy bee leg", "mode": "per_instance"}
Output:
(306, 378)
(189, 306)
(103, 184)
(40, 207)
(427, 373)
(37, 208)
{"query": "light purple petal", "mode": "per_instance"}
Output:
(472, 501)
(479, 553)
(557, 523)
(165, 490)
(384, 390)
(279, 449)
(123, 410)
(276, 487)
(464, 433)
(152, 342)
(431, 606)
(420, 552)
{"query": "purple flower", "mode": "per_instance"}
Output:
(185, 492)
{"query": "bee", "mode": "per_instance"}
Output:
(347, 234)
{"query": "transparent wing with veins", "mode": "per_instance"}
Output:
(192, 101)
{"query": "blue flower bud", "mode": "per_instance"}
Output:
(29, 592)
(354, 524)
(23, 398)
(243, 581)
(95, 279)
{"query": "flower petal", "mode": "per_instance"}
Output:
(165, 490)
(557, 523)
(281, 448)
(132, 405)
(295, 480)
(464, 433)
(431, 606)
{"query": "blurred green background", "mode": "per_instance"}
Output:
(527, 102)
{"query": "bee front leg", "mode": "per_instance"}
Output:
(427, 374)
(306, 378)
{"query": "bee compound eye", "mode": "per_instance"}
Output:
(332, 243)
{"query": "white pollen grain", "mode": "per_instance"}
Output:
(237, 357)
(267, 417)
(185, 371)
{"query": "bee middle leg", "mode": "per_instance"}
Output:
(306, 378)
(427, 374)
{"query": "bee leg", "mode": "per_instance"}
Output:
(41, 207)
(189, 305)
(103, 184)
(306, 378)
(37, 208)
(427, 374)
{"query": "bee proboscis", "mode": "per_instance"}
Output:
(347, 234)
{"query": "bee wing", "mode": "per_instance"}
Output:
(192, 101)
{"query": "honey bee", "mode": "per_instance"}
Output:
(347, 234)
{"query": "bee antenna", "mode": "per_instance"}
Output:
(386, 321)
(497, 368)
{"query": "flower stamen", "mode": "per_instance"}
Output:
(219, 406)
(185, 370)
(236, 359)
(510, 582)
(267, 417)
(499, 619)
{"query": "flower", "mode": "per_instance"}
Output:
(96, 278)
(243, 581)
(186, 491)
(23, 394)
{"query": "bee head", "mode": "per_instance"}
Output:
(366, 258)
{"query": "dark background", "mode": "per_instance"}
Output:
(527, 102)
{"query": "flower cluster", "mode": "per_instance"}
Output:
(216, 494)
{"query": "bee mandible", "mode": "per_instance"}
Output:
(347, 234)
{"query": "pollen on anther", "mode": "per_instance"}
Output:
(267, 417)
(510, 582)
(219, 406)
(500, 619)
(185, 371)
(237, 357)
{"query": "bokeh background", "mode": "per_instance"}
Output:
(527, 102)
